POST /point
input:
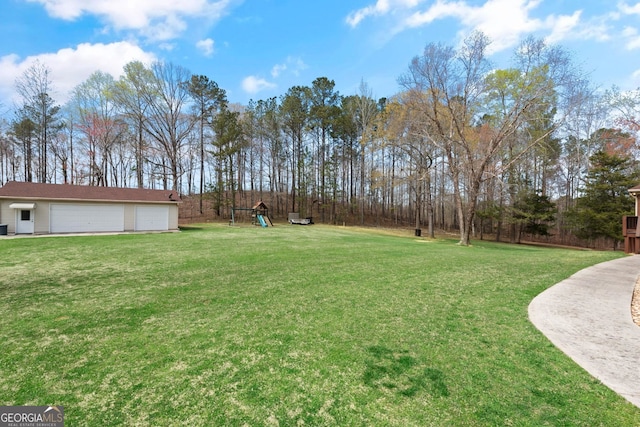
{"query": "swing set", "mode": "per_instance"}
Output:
(259, 215)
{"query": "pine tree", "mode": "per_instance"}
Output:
(598, 213)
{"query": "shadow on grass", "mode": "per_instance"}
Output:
(188, 228)
(402, 373)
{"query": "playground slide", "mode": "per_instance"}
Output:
(262, 221)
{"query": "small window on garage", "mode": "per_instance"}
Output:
(25, 215)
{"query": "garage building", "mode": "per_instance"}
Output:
(35, 208)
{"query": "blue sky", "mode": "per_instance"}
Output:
(255, 49)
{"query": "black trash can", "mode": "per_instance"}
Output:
(418, 232)
(3, 229)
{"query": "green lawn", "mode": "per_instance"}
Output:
(289, 325)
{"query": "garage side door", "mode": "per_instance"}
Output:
(83, 218)
(152, 218)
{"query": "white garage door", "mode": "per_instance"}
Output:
(86, 218)
(152, 218)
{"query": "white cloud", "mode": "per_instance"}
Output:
(297, 65)
(629, 9)
(206, 46)
(71, 66)
(167, 46)
(597, 28)
(277, 69)
(167, 28)
(381, 7)
(155, 19)
(439, 10)
(632, 38)
(635, 79)
(562, 27)
(253, 84)
(505, 22)
(293, 64)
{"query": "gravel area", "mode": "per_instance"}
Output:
(635, 304)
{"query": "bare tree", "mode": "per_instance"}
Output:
(98, 121)
(294, 113)
(8, 158)
(129, 93)
(458, 90)
(167, 122)
(400, 134)
(366, 110)
(35, 87)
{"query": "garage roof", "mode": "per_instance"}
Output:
(33, 190)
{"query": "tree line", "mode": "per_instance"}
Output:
(529, 150)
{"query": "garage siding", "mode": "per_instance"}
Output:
(8, 216)
(86, 218)
(94, 217)
(42, 218)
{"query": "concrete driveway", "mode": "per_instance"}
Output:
(588, 317)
